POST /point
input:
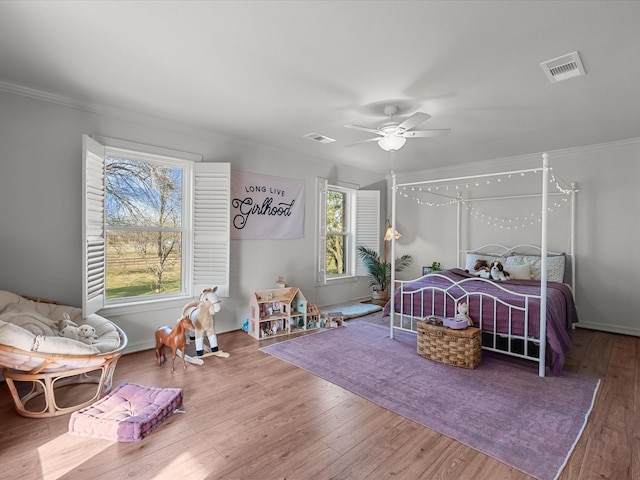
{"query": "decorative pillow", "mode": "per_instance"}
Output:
(555, 266)
(519, 272)
(472, 258)
(18, 337)
(65, 346)
(127, 414)
(31, 321)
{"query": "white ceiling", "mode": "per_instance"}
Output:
(268, 72)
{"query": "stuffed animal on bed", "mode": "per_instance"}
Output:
(498, 272)
(463, 314)
(481, 269)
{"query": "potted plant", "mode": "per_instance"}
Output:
(380, 272)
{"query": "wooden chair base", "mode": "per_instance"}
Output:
(45, 385)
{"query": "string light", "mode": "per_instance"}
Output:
(512, 222)
(508, 223)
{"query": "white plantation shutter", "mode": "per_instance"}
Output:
(93, 230)
(211, 230)
(321, 255)
(210, 197)
(367, 224)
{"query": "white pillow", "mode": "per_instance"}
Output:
(555, 266)
(520, 272)
(17, 337)
(31, 321)
(62, 345)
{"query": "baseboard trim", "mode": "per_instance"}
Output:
(139, 346)
(610, 328)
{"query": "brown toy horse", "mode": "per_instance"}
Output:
(173, 338)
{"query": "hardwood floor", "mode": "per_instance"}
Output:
(252, 416)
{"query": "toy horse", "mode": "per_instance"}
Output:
(173, 338)
(201, 315)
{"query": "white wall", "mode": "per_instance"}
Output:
(41, 209)
(607, 227)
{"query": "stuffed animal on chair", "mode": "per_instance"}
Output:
(66, 321)
(70, 332)
(498, 272)
(87, 334)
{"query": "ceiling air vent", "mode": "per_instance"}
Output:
(563, 68)
(316, 137)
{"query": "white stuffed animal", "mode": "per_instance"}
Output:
(70, 332)
(66, 320)
(463, 314)
(498, 272)
(87, 334)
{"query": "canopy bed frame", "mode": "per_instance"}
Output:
(524, 318)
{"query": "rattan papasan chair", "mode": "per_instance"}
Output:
(36, 361)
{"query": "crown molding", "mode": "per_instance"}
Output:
(520, 161)
(41, 95)
(114, 112)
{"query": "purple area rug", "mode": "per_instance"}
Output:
(501, 408)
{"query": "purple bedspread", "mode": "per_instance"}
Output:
(561, 311)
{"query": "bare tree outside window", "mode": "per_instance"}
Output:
(336, 232)
(144, 227)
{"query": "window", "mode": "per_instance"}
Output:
(338, 229)
(346, 218)
(156, 224)
(144, 212)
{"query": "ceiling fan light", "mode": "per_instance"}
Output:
(391, 143)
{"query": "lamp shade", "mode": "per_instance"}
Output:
(391, 143)
(389, 233)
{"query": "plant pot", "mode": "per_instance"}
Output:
(379, 298)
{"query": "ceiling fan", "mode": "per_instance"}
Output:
(393, 135)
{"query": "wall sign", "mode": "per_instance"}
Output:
(266, 207)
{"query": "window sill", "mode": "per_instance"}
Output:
(340, 280)
(145, 306)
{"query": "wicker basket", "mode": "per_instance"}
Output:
(460, 348)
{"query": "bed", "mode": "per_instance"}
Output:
(514, 315)
(504, 311)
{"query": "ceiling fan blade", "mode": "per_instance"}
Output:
(374, 139)
(365, 129)
(415, 119)
(426, 133)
